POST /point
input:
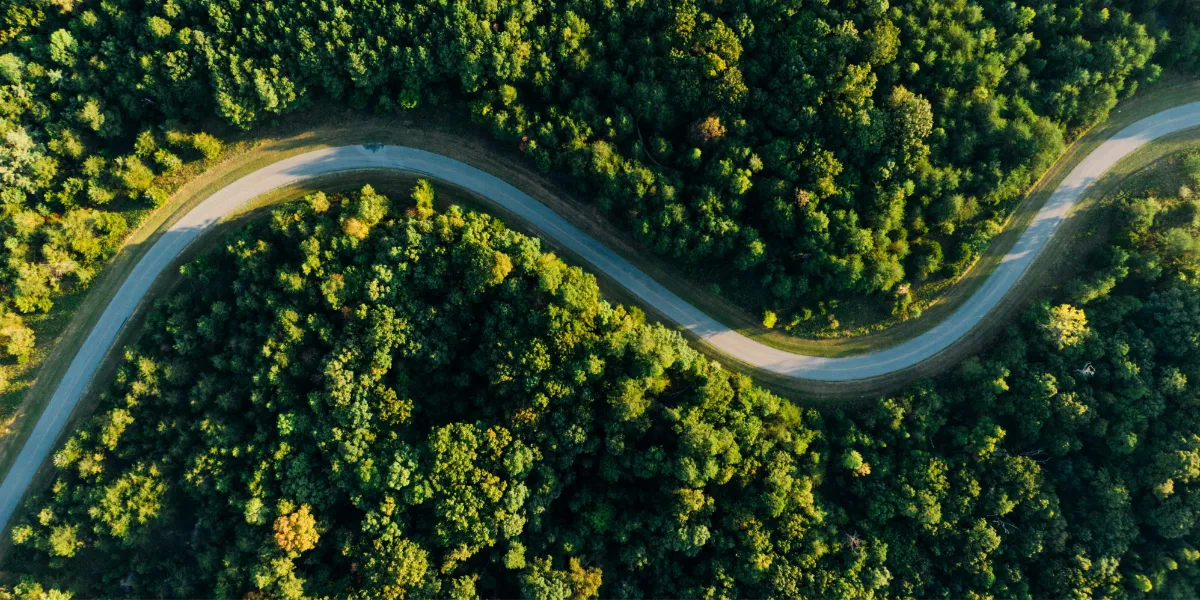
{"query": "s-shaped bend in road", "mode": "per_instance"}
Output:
(350, 158)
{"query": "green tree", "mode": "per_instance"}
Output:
(1065, 326)
(16, 339)
(423, 197)
(63, 47)
(296, 532)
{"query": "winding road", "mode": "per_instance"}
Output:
(348, 158)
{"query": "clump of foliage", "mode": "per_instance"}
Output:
(432, 406)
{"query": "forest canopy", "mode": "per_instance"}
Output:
(788, 152)
(361, 397)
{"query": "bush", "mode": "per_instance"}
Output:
(134, 175)
(166, 161)
(157, 196)
(145, 144)
(208, 146)
(769, 319)
(1191, 167)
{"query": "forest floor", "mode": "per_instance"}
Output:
(63, 332)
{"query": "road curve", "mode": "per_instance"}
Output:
(348, 158)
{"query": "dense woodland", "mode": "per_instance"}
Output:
(360, 397)
(798, 151)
